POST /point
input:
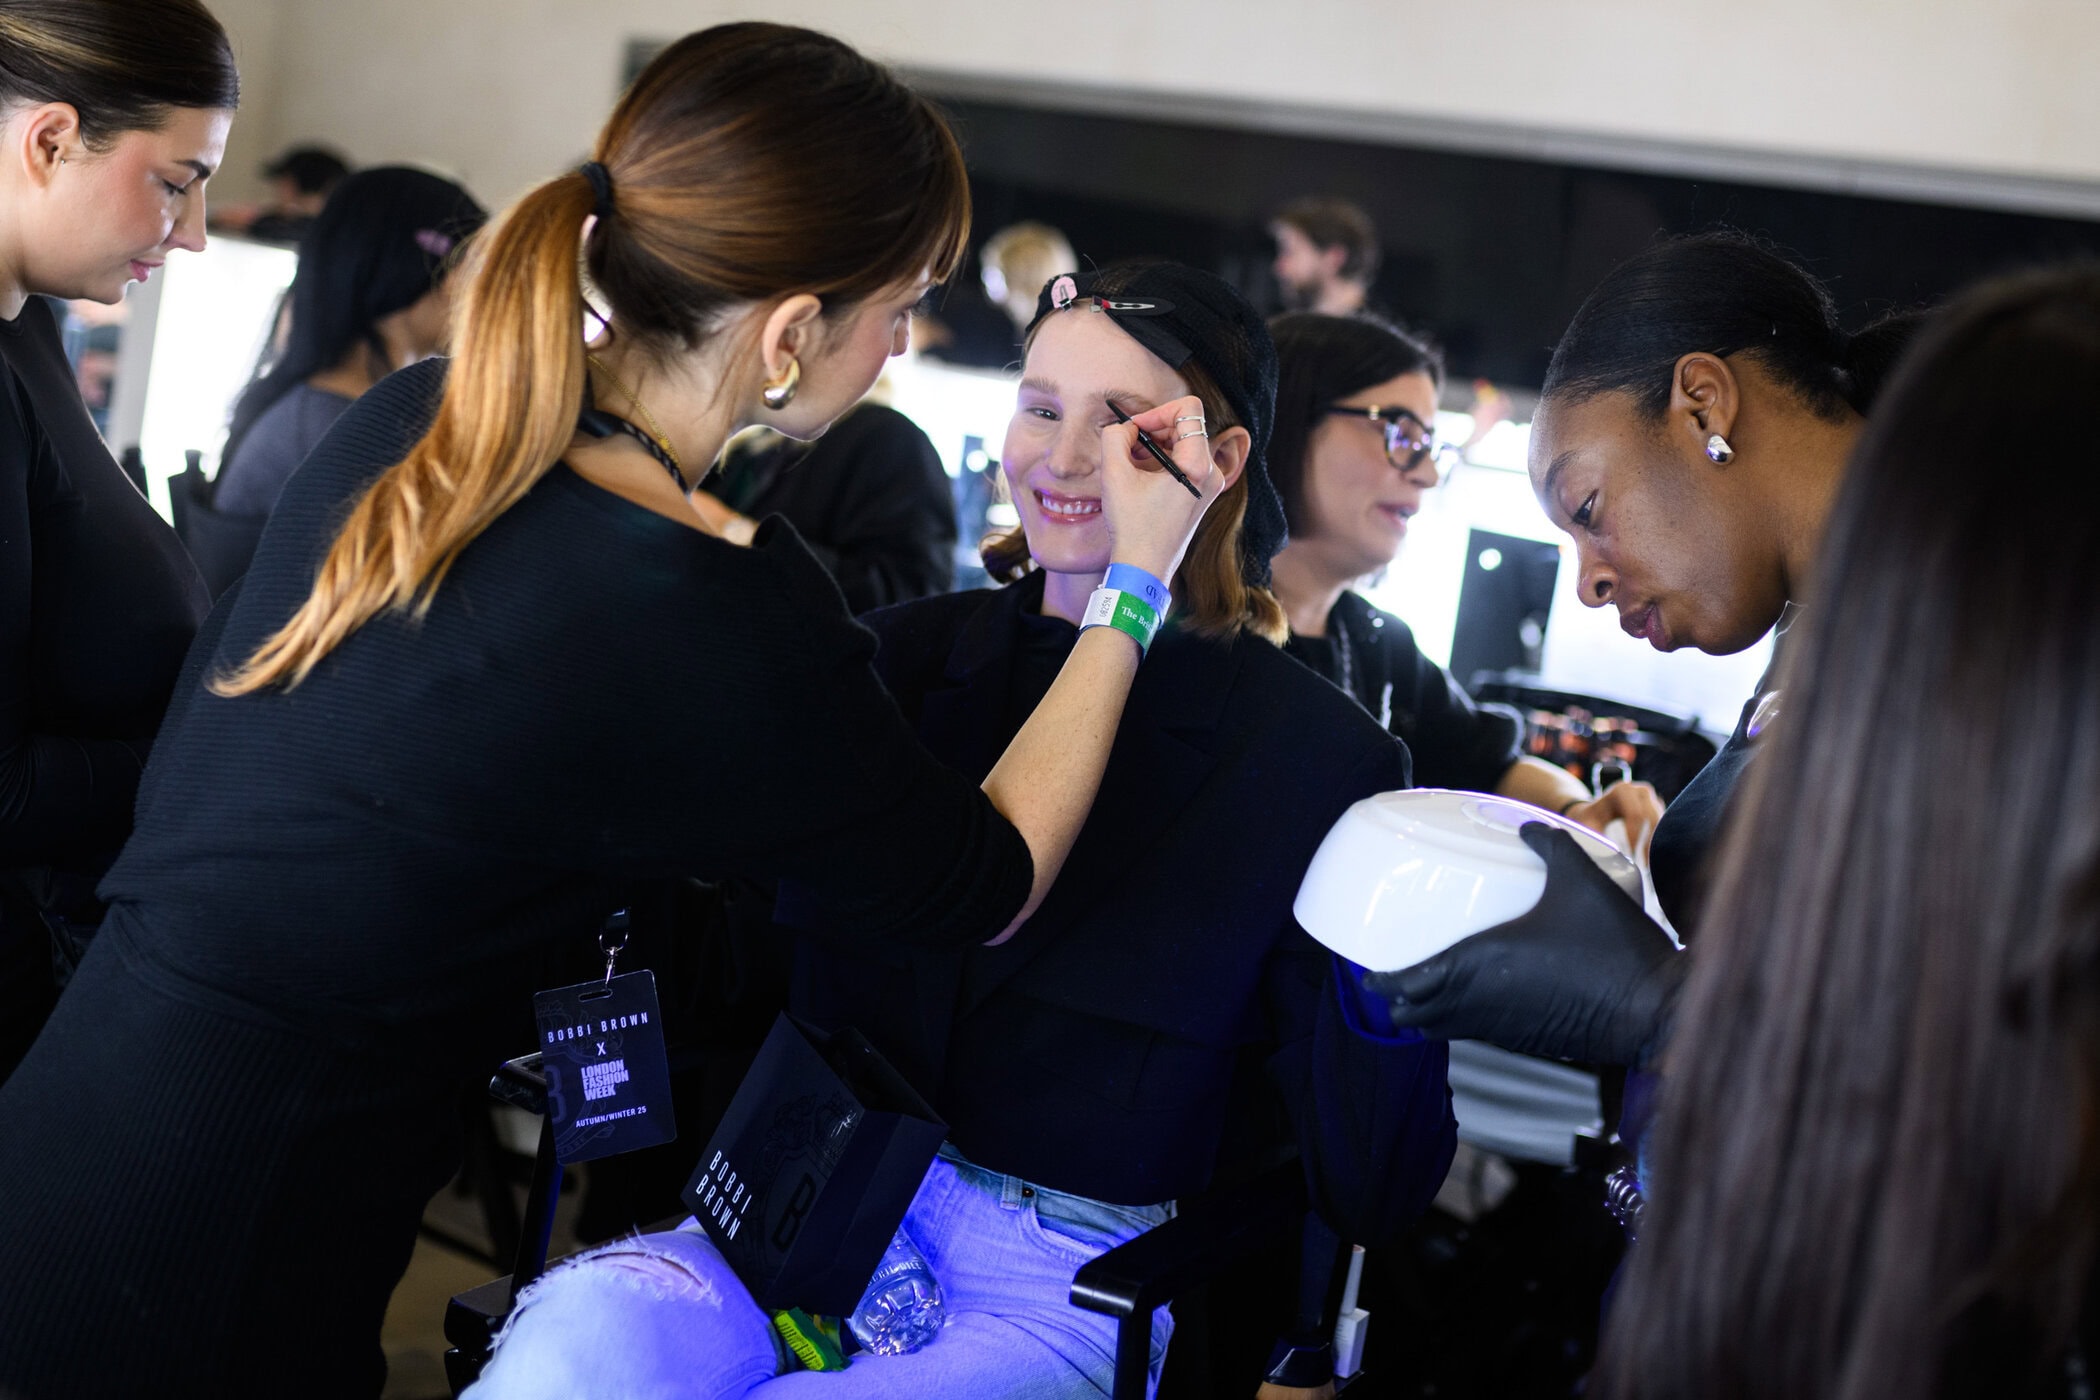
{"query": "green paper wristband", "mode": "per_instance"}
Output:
(1126, 612)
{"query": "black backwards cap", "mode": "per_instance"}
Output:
(1182, 315)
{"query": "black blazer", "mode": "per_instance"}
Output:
(1098, 1050)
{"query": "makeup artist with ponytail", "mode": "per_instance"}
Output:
(475, 682)
(1691, 436)
(112, 115)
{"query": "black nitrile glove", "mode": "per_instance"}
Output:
(1585, 975)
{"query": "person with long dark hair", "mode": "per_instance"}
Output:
(1354, 452)
(489, 669)
(1691, 435)
(1089, 1072)
(114, 114)
(371, 295)
(1877, 1161)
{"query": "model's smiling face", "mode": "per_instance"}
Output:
(1078, 363)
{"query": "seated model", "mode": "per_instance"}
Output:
(1089, 1068)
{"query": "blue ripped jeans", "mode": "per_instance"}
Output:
(661, 1317)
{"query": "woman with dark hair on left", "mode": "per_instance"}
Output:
(1090, 1070)
(371, 296)
(1877, 1158)
(113, 114)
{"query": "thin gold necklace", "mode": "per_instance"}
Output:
(655, 430)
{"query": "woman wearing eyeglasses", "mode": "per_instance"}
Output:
(1354, 452)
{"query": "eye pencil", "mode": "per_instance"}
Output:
(1161, 457)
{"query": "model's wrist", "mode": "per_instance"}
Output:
(1159, 563)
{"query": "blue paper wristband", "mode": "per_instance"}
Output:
(1129, 578)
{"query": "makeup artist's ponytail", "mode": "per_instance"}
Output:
(509, 409)
(747, 163)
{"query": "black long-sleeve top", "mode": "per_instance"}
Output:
(1372, 655)
(869, 498)
(340, 897)
(98, 603)
(543, 724)
(1101, 1050)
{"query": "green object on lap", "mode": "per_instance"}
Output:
(813, 1340)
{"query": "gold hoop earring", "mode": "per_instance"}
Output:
(780, 395)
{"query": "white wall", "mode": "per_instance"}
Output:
(502, 92)
(254, 27)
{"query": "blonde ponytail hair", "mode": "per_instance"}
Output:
(510, 406)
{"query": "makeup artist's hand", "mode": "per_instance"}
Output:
(1584, 975)
(1151, 516)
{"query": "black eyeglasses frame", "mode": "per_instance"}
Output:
(1394, 421)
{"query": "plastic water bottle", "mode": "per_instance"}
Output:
(901, 1311)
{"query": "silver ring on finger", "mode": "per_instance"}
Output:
(1193, 432)
(1190, 418)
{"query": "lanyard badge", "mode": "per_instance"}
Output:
(602, 1048)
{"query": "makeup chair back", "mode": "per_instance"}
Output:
(1209, 1239)
(473, 1318)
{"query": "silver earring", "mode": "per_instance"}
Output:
(1718, 449)
(779, 396)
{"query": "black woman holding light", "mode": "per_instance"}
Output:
(1692, 434)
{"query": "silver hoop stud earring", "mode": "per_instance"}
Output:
(780, 395)
(1719, 451)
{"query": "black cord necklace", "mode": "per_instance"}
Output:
(597, 423)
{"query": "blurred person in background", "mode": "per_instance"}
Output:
(372, 295)
(300, 182)
(980, 324)
(1017, 262)
(1327, 255)
(1877, 1159)
(1355, 451)
(113, 114)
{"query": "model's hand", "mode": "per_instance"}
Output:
(1635, 804)
(1151, 516)
(1585, 975)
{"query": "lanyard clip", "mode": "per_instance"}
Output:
(612, 940)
